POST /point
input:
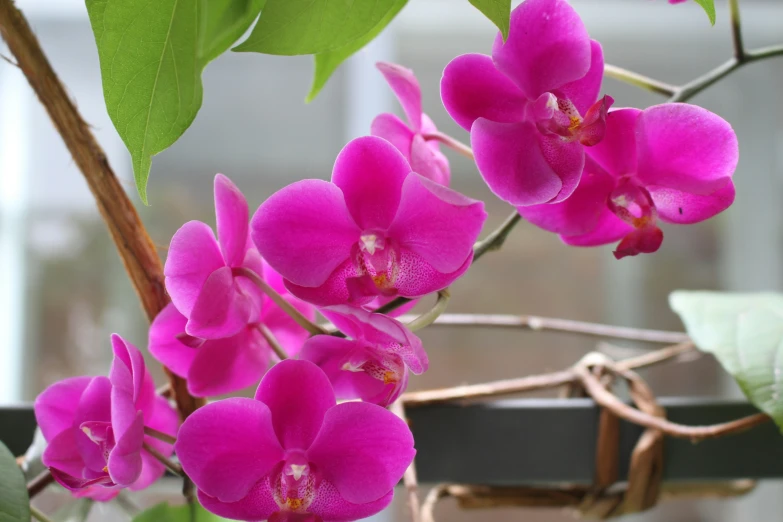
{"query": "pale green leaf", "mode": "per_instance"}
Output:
(709, 8)
(498, 12)
(288, 27)
(14, 502)
(183, 513)
(328, 61)
(152, 55)
(745, 333)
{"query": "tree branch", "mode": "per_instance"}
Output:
(736, 30)
(409, 478)
(133, 243)
(639, 80)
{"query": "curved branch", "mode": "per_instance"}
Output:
(431, 315)
(639, 80)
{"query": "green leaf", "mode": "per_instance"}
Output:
(498, 12)
(14, 501)
(709, 8)
(328, 61)
(152, 55)
(289, 27)
(745, 333)
(185, 513)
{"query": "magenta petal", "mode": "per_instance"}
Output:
(232, 217)
(151, 471)
(222, 308)
(683, 208)
(363, 450)
(370, 171)
(164, 419)
(406, 87)
(95, 404)
(429, 161)
(441, 173)
(333, 291)
(75, 483)
(287, 331)
(193, 255)
(258, 504)
(62, 453)
(580, 213)
(125, 459)
(228, 365)
(473, 88)
(298, 394)
(686, 148)
(547, 47)
(417, 277)
(393, 130)
(616, 152)
(55, 407)
(164, 344)
(325, 231)
(511, 161)
(437, 223)
(331, 506)
(129, 374)
(226, 447)
(609, 229)
(584, 91)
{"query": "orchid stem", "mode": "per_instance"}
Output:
(639, 80)
(430, 316)
(278, 299)
(273, 342)
(736, 30)
(39, 515)
(171, 466)
(155, 434)
(496, 239)
(451, 143)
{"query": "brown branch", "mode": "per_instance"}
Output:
(39, 483)
(134, 244)
(409, 478)
(608, 400)
(535, 382)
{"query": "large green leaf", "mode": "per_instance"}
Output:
(185, 513)
(498, 12)
(14, 501)
(745, 333)
(709, 8)
(152, 55)
(289, 27)
(328, 61)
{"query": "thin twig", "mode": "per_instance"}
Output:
(431, 315)
(171, 466)
(155, 434)
(736, 30)
(135, 247)
(39, 515)
(39, 483)
(534, 382)
(280, 301)
(639, 80)
(608, 400)
(451, 143)
(409, 478)
(531, 322)
(273, 342)
(428, 508)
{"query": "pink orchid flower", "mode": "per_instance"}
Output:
(671, 162)
(413, 139)
(292, 453)
(373, 363)
(531, 108)
(199, 269)
(219, 366)
(376, 229)
(94, 427)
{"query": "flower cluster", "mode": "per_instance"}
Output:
(386, 225)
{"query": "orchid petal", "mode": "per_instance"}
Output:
(222, 308)
(258, 504)
(226, 447)
(125, 459)
(683, 208)
(331, 506)
(55, 407)
(324, 231)
(62, 452)
(232, 216)
(417, 277)
(616, 152)
(584, 91)
(394, 130)
(166, 346)
(406, 87)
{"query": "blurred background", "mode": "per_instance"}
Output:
(63, 289)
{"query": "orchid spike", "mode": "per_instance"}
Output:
(531, 107)
(377, 229)
(94, 427)
(219, 366)
(672, 162)
(413, 139)
(293, 454)
(198, 270)
(373, 363)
